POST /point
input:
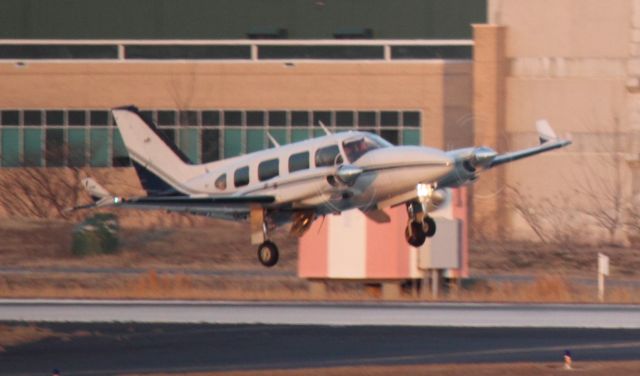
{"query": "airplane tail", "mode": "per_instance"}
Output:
(161, 167)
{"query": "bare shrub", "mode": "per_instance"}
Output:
(38, 192)
(553, 221)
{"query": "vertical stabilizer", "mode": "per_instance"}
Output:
(161, 166)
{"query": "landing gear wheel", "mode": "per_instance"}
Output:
(429, 226)
(268, 254)
(414, 234)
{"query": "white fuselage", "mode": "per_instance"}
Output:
(387, 171)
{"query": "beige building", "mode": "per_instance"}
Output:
(575, 63)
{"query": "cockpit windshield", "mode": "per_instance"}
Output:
(358, 146)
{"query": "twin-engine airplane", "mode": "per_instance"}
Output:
(299, 182)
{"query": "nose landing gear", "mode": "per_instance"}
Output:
(268, 254)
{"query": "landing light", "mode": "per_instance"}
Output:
(117, 200)
(424, 190)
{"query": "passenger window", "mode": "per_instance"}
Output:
(328, 156)
(268, 169)
(241, 176)
(299, 161)
(221, 182)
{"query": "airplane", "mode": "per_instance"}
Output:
(302, 181)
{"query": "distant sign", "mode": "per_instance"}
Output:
(603, 264)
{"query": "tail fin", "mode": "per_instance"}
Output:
(161, 167)
(545, 132)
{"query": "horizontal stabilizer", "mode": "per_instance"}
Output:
(95, 190)
(100, 196)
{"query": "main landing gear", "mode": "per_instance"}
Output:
(268, 253)
(417, 232)
(421, 226)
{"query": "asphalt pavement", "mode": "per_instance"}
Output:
(113, 348)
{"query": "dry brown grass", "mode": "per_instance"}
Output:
(545, 289)
(564, 260)
(156, 286)
(210, 244)
(219, 245)
(13, 335)
(522, 369)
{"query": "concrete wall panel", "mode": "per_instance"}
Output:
(569, 28)
(570, 105)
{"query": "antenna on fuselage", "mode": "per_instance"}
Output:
(273, 140)
(328, 132)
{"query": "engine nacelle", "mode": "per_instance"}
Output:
(467, 164)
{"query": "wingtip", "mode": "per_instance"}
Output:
(545, 132)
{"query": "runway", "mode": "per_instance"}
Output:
(110, 337)
(332, 314)
(105, 349)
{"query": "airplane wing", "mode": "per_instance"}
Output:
(196, 204)
(217, 206)
(548, 141)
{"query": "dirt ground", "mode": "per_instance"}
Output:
(223, 249)
(534, 258)
(520, 369)
(215, 244)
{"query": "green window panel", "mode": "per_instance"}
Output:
(33, 147)
(299, 135)
(120, 155)
(99, 147)
(55, 147)
(255, 140)
(77, 147)
(232, 142)
(10, 147)
(280, 135)
(210, 144)
(411, 137)
(189, 139)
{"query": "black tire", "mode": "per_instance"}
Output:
(268, 254)
(414, 234)
(429, 226)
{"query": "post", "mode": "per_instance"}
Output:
(601, 287)
(435, 282)
(603, 270)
